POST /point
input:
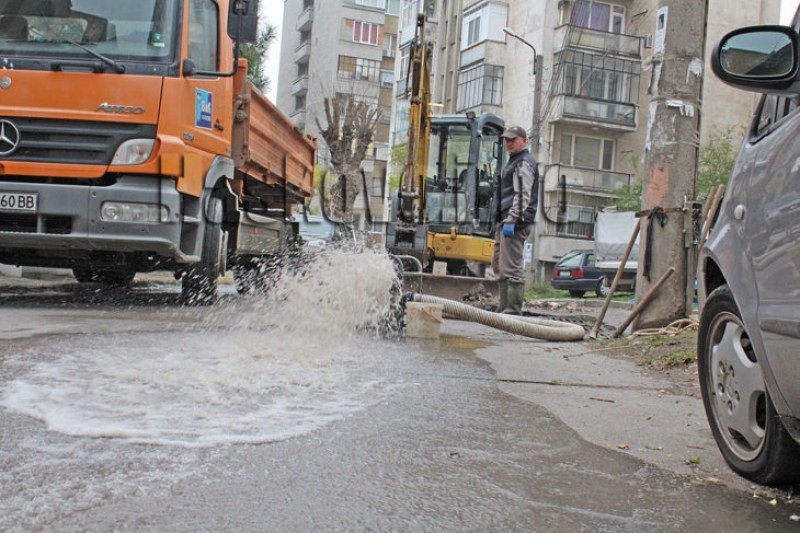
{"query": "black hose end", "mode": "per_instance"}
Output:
(408, 297)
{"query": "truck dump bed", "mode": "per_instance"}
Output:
(276, 160)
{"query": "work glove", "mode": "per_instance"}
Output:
(508, 230)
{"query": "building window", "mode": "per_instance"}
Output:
(393, 7)
(599, 77)
(366, 32)
(302, 69)
(484, 23)
(389, 44)
(299, 102)
(587, 152)
(480, 85)
(358, 68)
(599, 16)
(378, 4)
(387, 78)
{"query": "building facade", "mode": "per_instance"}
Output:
(591, 111)
(330, 47)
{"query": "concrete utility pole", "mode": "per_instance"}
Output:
(673, 125)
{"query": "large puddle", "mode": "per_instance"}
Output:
(258, 369)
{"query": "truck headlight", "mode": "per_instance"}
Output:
(127, 212)
(133, 152)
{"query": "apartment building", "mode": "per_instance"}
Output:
(592, 109)
(348, 47)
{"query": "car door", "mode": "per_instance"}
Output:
(769, 213)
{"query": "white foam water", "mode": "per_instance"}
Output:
(257, 369)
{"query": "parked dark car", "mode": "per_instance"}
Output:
(748, 344)
(576, 273)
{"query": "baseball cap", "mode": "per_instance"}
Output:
(514, 132)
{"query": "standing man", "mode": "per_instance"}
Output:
(516, 198)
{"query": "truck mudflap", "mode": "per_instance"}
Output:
(70, 218)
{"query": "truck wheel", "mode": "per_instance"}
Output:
(748, 432)
(602, 287)
(199, 283)
(576, 293)
(111, 278)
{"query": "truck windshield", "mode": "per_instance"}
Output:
(141, 30)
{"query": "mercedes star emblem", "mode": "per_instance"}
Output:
(9, 138)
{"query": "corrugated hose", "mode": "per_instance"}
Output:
(537, 328)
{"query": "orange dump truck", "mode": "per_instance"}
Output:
(131, 142)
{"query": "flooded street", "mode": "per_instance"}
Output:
(288, 413)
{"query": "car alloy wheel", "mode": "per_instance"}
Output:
(748, 431)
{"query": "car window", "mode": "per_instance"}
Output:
(766, 115)
(571, 260)
(773, 109)
(590, 260)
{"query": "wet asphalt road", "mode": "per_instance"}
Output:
(425, 442)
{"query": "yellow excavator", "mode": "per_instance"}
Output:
(444, 209)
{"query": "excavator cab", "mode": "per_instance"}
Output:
(465, 157)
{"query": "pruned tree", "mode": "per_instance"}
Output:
(348, 133)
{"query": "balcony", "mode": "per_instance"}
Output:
(302, 52)
(602, 41)
(300, 86)
(305, 19)
(594, 180)
(593, 112)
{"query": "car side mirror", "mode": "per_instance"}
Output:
(243, 21)
(758, 58)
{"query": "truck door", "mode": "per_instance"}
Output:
(206, 101)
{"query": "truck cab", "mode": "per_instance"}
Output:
(116, 128)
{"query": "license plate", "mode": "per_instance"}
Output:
(563, 274)
(18, 201)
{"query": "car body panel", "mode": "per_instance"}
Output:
(755, 244)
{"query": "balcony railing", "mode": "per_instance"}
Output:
(584, 178)
(613, 43)
(302, 52)
(305, 19)
(572, 221)
(613, 115)
(300, 86)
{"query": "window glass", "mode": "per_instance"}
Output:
(480, 85)
(142, 30)
(366, 32)
(587, 152)
(599, 16)
(766, 116)
(571, 260)
(203, 34)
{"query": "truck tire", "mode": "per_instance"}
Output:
(111, 278)
(199, 283)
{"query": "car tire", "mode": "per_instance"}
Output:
(199, 283)
(602, 287)
(747, 429)
(576, 293)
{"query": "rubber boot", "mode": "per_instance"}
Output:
(515, 295)
(502, 288)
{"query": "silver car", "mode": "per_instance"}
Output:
(749, 339)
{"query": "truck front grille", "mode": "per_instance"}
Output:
(73, 141)
(24, 223)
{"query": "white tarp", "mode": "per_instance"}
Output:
(612, 232)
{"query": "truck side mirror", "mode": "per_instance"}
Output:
(243, 20)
